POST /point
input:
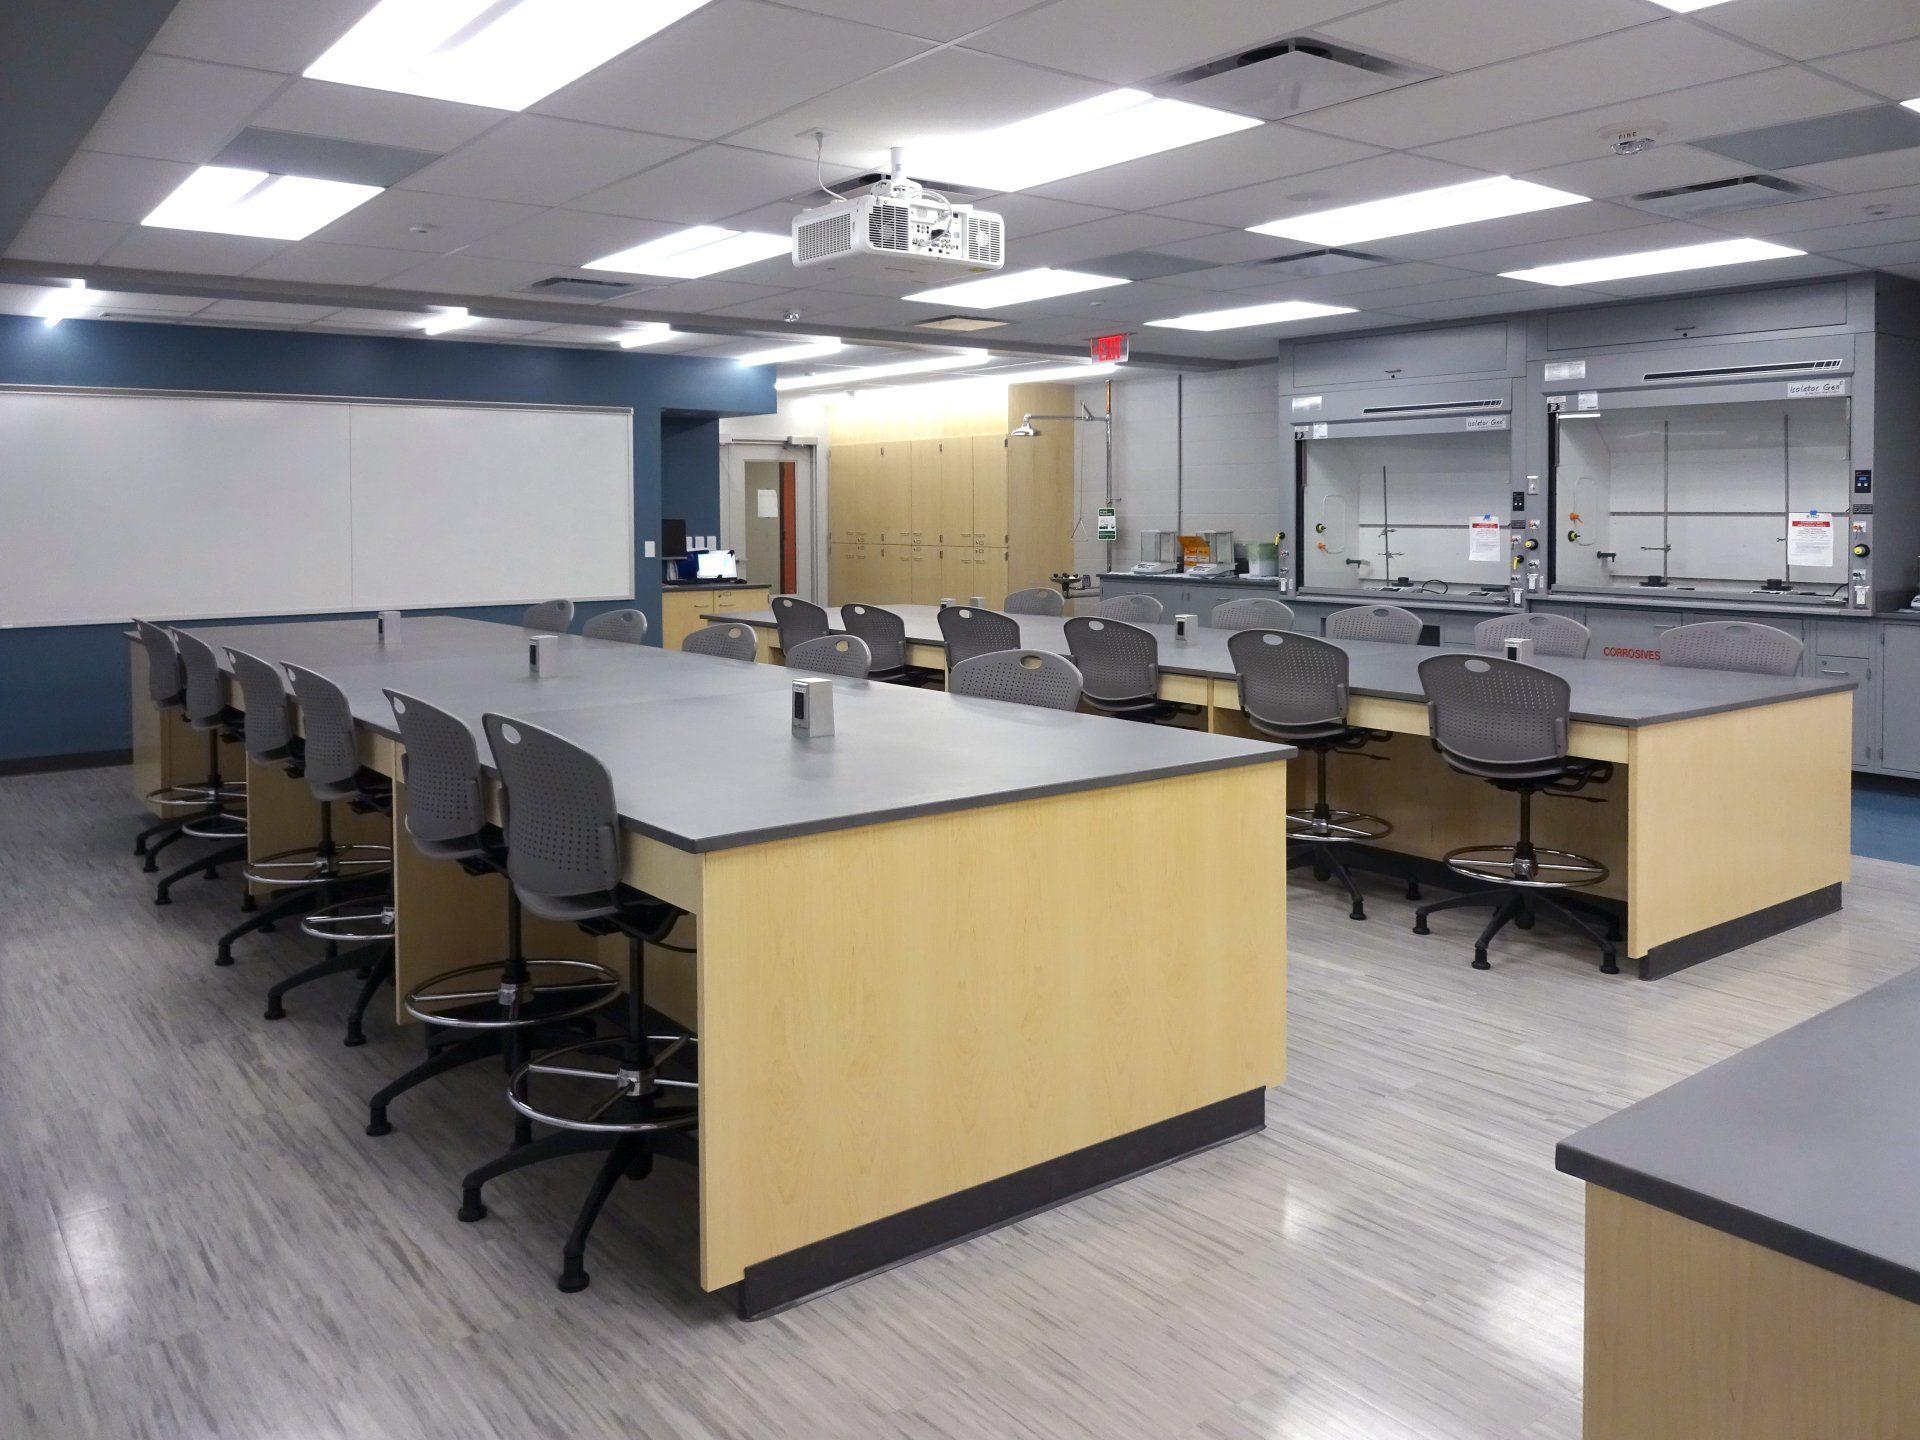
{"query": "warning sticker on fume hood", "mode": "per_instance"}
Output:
(1483, 539)
(1810, 539)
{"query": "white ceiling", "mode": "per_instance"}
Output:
(707, 123)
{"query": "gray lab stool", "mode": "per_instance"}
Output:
(1507, 723)
(202, 700)
(476, 1012)
(1294, 688)
(609, 1095)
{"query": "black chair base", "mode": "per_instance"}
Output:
(373, 964)
(299, 902)
(1339, 861)
(450, 1050)
(1522, 907)
(206, 865)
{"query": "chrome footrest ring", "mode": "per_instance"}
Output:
(1550, 869)
(197, 797)
(574, 988)
(610, 1083)
(350, 920)
(224, 826)
(1340, 827)
(306, 865)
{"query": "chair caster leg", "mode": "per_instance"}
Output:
(1480, 958)
(573, 1278)
(161, 897)
(152, 865)
(248, 904)
(1413, 889)
(1359, 911)
(1608, 965)
(1420, 925)
(377, 1122)
(224, 957)
(1523, 921)
(472, 1208)
(276, 1011)
(355, 1035)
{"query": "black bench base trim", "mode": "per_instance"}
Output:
(786, 1280)
(80, 760)
(1741, 931)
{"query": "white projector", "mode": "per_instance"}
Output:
(898, 228)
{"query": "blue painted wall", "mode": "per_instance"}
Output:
(65, 687)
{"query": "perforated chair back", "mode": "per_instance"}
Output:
(263, 690)
(729, 642)
(1731, 645)
(1119, 663)
(1133, 609)
(1387, 623)
(446, 805)
(1551, 634)
(1037, 601)
(166, 676)
(331, 757)
(205, 695)
(884, 632)
(1022, 677)
(798, 620)
(1496, 717)
(562, 828)
(627, 626)
(1292, 687)
(970, 632)
(549, 616)
(1254, 612)
(844, 655)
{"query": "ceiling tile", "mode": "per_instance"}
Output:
(372, 319)
(1786, 221)
(315, 262)
(1536, 297)
(1230, 162)
(690, 297)
(537, 160)
(54, 237)
(706, 185)
(172, 109)
(97, 186)
(933, 19)
(1084, 37)
(1761, 273)
(287, 38)
(376, 117)
(669, 82)
(1662, 168)
(1880, 257)
(1029, 214)
(1645, 60)
(1231, 247)
(1338, 185)
(1786, 92)
(451, 221)
(190, 250)
(1875, 230)
(1463, 34)
(1863, 173)
(152, 304)
(944, 93)
(1102, 237)
(1627, 240)
(565, 238)
(1568, 222)
(1803, 30)
(467, 275)
(1889, 70)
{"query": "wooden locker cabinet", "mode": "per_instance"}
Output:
(989, 491)
(953, 521)
(851, 466)
(926, 567)
(891, 494)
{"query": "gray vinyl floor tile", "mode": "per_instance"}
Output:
(197, 1241)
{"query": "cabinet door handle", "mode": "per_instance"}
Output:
(1829, 670)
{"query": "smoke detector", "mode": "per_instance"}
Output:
(1632, 139)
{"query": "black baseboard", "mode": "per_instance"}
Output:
(786, 1280)
(82, 760)
(1705, 944)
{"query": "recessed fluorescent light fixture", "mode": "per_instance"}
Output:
(926, 365)
(634, 336)
(1081, 371)
(1491, 199)
(1014, 287)
(497, 53)
(74, 298)
(786, 354)
(225, 201)
(1089, 135)
(1686, 7)
(1913, 104)
(692, 253)
(450, 317)
(1654, 262)
(1278, 313)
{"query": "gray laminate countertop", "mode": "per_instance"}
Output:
(1256, 582)
(1605, 692)
(701, 749)
(1807, 1144)
(1679, 597)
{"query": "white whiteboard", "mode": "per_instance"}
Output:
(114, 505)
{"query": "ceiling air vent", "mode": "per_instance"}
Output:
(1742, 193)
(575, 287)
(1749, 372)
(1322, 262)
(1287, 77)
(1439, 407)
(960, 323)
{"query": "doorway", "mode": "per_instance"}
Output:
(767, 513)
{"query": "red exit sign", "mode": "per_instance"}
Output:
(1107, 349)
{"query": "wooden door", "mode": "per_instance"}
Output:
(927, 575)
(989, 491)
(923, 523)
(891, 512)
(990, 575)
(956, 572)
(849, 471)
(954, 525)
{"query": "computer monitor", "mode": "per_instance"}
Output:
(673, 539)
(717, 565)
